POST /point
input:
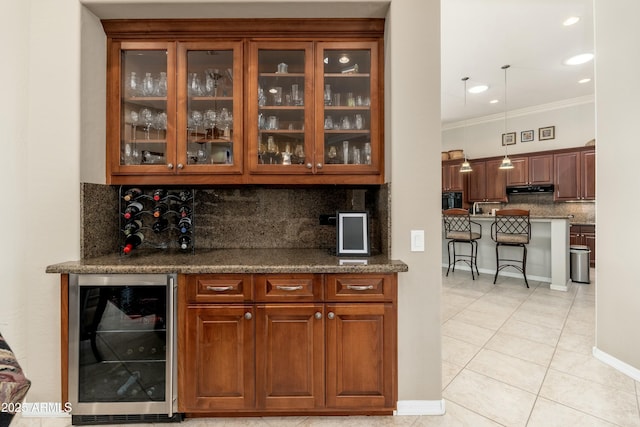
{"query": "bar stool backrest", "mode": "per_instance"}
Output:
(511, 226)
(457, 224)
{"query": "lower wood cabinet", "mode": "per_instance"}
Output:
(302, 343)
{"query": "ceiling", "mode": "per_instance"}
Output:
(480, 36)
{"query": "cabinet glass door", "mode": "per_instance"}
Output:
(347, 118)
(209, 107)
(280, 102)
(147, 107)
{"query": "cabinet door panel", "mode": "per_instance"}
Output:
(477, 182)
(218, 366)
(588, 184)
(361, 352)
(496, 181)
(519, 175)
(290, 356)
(567, 176)
(541, 169)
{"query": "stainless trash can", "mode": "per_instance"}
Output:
(579, 263)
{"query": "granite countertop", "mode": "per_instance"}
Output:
(229, 261)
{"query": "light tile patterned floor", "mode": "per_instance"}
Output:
(512, 356)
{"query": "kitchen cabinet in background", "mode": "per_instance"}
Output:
(575, 175)
(452, 179)
(487, 182)
(531, 170)
(584, 234)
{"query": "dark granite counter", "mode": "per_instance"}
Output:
(230, 261)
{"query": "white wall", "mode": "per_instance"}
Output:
(617, 113)
(574, 122)
(14, 107)
(55, 125)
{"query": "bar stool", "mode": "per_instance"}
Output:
(511, 227)
(459, 228)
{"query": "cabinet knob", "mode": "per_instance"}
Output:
(331, 315)
(319, 165)
(318, 315)
(180, 166)
(248, 316)
(169, 165)
(309, 165)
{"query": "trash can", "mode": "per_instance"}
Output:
(579, 263)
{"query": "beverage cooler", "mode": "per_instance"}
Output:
(122, 348)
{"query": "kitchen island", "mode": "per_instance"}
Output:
(548, 251)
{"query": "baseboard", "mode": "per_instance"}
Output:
(515, 274)
(617, 364)
(420, 407)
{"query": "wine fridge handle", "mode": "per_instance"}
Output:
(170, 355)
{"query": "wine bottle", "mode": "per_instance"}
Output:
(184, 225)
(184, 241)
(160, 225)
(132, 226)
(184, 195)
(132, 194)
(160, 209)
(184, 211)
(132, 209)
(159, 194)
(132, 241)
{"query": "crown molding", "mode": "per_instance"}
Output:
(536, 109)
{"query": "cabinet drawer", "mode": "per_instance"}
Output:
(360, 287)
(219, 288)
(285, 287)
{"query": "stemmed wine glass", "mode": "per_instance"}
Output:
(147, 118)
(196, 119)
(134, 124)
(160, 122)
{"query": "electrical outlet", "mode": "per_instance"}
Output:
(327, 219)
(417, 240)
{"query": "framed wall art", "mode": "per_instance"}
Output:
(526, 136)
(546, 133)
(509, 138)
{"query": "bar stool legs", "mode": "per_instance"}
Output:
(522, 268)
(469, 259)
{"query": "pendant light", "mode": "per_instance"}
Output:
(465, 167)
(506, 162)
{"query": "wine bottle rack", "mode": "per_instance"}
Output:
(179, 202)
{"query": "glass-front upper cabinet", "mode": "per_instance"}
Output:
(348, 110)
(141, 129)
(280, 108)
(209, 125)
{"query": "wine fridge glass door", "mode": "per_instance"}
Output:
(121, 344)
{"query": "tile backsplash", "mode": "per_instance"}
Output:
(543, 205)
(247, 216)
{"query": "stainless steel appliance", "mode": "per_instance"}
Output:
(452, 199)
(122, 348)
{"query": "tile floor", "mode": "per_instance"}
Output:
(512, 356)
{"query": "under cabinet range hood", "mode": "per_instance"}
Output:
(528, 189)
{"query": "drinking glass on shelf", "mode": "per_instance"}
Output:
(133, 85)
(160, 123)
(134, 123)
(197, 120)
(194, 85)
(148, 86)
(211, 81)
(277, 95)
(327, 94)
(161, 87)
(359, 122)
(146, 116)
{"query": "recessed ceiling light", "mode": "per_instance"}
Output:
(579, 59)
(571, 20)
(587, 80)
(478, 88)
(493, 101)
(344, 59)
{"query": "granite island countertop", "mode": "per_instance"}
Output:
(229, 261)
